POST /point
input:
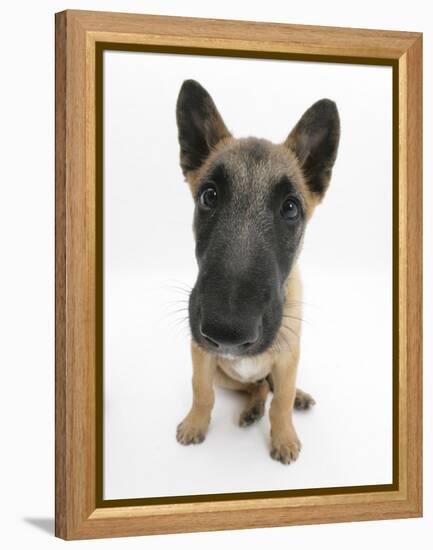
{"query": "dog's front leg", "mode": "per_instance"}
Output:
(194, 426)
(285, 442)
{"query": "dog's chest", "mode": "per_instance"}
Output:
(247, 370)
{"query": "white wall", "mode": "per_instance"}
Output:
(27, 246)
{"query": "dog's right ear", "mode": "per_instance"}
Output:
(199, 124)
(314, 140)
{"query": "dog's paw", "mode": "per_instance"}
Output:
(188, 433)
(303, 400)
(286, 450)
(252, 414)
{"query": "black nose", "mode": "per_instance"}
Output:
(231, 336)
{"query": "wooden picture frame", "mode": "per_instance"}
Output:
(81, 38)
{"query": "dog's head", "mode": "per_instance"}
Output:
(252, 199)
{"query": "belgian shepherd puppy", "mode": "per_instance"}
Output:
(253, 200)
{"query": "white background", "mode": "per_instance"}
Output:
(346, 351)
(27, 289)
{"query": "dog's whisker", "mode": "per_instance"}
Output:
(181, 290)
(284, 339)
(299, 303)
(177, 302)
(295, 318)
(182, 320)
(177, 282)
(181, 327)
(176, 312)
(291, 330)
(278, 344)
(173, 283)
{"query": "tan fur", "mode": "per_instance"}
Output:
(194, 427)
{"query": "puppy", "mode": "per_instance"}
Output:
(253, 200)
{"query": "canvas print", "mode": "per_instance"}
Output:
(247, 257)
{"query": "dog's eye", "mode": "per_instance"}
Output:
(208, 198)
(290, 209)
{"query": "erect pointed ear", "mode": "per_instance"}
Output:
(314, 140)
(199, 124)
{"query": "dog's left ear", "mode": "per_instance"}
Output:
(314, 140)
(200, 126)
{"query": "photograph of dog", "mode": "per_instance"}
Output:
(213, 248)
(253, 200)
